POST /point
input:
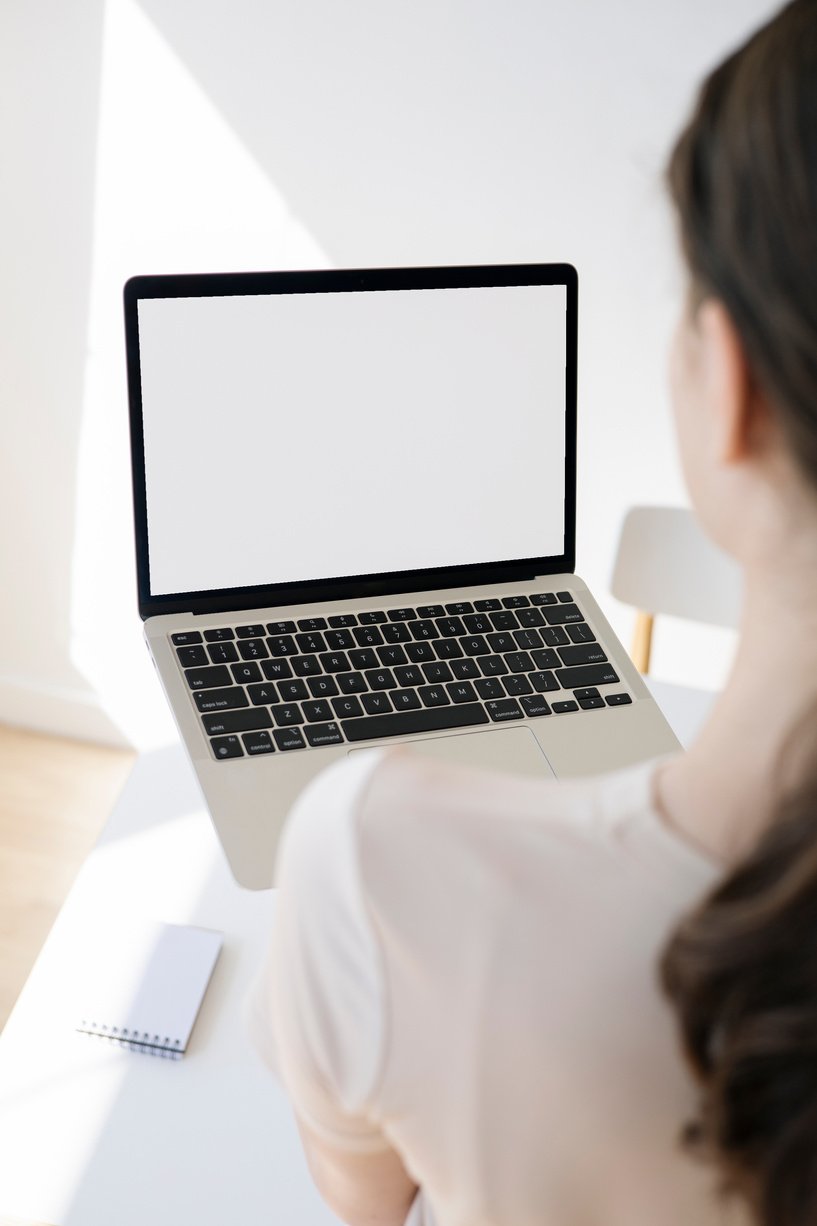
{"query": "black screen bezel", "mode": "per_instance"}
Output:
(354, 587)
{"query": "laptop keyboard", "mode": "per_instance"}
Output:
(355, 677)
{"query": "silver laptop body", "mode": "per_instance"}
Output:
(354, 503)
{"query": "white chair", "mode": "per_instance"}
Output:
(665, 564)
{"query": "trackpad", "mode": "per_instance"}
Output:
(515, 750)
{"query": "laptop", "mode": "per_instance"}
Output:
(355, 502)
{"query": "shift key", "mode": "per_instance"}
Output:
(590, 674)
(222, 700)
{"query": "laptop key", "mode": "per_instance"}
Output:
(424, 629)
(334, 662)
(306, 666)
(409, 675)
(589, 704)
(323, 734)
(222, 653)
(447, 649)
(543, 598)
(561, 708)
(276, 628)
(420, 653)
(368, 636)
(257, 743)
(534, 704)
(244, 673)
(474, 645)
(490, 687)
(492, 666)
(253, 649)
(286, 714)
(433, 696)
(581, 633)
(437, 672)
(459, 607)
(476, 623)
(530, 617)
(189, 657)
(282, 645)
(312, 623)
(339, 640)
(381, 679)
(236, 721)
(313, 642)
(376, 618)
(465, 670)
(403, 723)
(363, 657)
(249, 632)
(558, 614)
(517, 684)
(376, 704)
(261, 696)
(618, 700)
(582, 653)
(219, 635)
(289, 738)
(554, 636)
(519, 662)
(276, 670)
(351, 683)
(565, 597)
(588, 674)
(461, 691)
(487, 606)
(292, 691)
(549, 659)
(543, 682)
(227, 747)
(340, 620)
(185, 638)
(317, 712)
(431, 610)
(221, 700)
(504, 709)
(515, 602)
(323, 687)
(450, 627)
(390, 656)
(405, 700)
(206, 678)
(346, 707)
(504, 641)
(504, 620)
(396, 632)
(402, 615)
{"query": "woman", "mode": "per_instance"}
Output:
(463, 996)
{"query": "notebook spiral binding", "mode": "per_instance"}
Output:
(134, 1040)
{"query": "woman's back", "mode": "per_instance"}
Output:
(511, 1041)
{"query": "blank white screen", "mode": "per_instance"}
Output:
(306, 436)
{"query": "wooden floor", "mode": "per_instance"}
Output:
(55, 796)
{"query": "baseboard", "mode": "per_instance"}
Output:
(58, 711)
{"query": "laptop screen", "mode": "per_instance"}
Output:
(296, 437)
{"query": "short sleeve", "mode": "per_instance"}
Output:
(317, 1011)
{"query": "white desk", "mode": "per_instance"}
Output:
(91, 1135)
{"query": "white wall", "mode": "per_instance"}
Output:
(175, 136)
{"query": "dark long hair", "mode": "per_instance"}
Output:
(741, 970)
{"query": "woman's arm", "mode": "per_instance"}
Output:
(362, 1189)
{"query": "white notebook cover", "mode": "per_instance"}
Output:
(145, 985)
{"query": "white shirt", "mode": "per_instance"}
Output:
(465, 963)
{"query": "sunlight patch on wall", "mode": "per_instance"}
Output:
(176, 191)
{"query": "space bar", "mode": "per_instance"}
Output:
(432, 719)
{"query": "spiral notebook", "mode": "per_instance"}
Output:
(145, 985)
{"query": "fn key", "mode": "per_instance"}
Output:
(227, 747)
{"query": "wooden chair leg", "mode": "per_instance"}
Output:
(642, 641)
